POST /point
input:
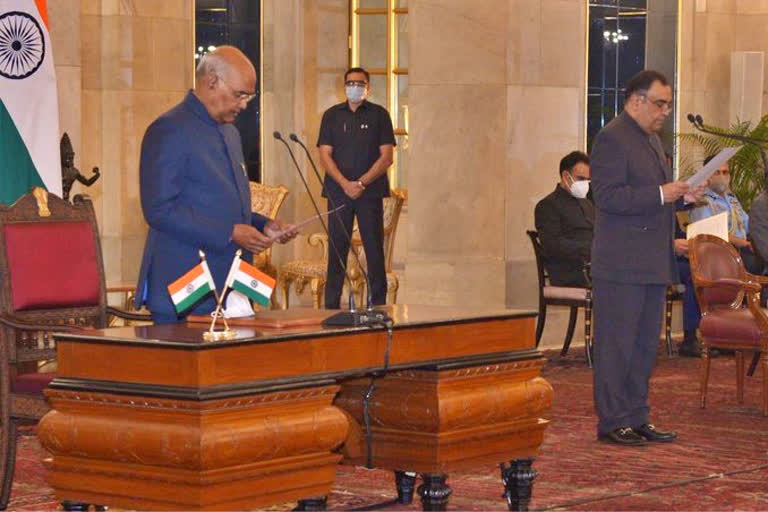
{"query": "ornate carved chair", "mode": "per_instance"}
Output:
(51, 279)
(731, 316)
(313, 272)
(572, 297)
(267, 200)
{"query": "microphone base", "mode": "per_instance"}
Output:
(356, 318)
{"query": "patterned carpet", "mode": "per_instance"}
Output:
(719, 463)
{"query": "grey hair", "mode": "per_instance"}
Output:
(211, 63)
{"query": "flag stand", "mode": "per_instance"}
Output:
(211, 334)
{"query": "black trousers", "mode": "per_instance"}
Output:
(370, 220)
(627, 321)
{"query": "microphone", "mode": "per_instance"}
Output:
(279, 137)
(376, 315)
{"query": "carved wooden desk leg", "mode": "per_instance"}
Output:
(405, 481)
(315, 503)
(434, 491)
(518, 480)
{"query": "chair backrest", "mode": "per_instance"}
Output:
(393, 205)
(266, 200)
(51, 269)
(538, 252)
(713, 258)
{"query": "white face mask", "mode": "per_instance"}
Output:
(354, 93)
(719, 185)
(579, 189)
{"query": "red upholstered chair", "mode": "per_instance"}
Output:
(731, 316)
(51, 279)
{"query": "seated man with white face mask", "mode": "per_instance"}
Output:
(565, 222)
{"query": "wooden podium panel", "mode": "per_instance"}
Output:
(154, 417)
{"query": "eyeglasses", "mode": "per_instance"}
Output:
(238, 95)
(355, 83)
(660, 104)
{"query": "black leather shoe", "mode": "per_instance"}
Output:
(624, 436)
(651, 433)
(689, 349)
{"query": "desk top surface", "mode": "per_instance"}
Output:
(189, 336)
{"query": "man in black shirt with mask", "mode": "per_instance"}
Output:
(565, 220)
(356, 144)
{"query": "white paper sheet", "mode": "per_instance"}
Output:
(708, 170)
(716, 225)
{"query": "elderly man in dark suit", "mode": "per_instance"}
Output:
(565, 221)
(633, 258)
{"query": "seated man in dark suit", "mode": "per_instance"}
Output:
(565, 221)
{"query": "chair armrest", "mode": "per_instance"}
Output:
(21, 324)
(730, 282)
(319, 240)
(758, 279)
(145, 317)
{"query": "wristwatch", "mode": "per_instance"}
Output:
(360, 182)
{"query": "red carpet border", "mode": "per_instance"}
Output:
(719, 463)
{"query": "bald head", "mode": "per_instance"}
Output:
(225, 83)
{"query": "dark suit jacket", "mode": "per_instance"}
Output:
(758, 225)
(565, 225)
(194, 189)
(633, 229)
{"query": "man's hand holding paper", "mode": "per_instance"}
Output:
(279, 231)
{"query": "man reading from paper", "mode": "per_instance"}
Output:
(194, 189)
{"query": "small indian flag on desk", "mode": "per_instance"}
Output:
(191, 287)
(250, 281)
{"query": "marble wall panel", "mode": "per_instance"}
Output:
(456, 197)
(458, 42)
(90, 37)
(64, 20)
(172, 55)
(69, 88)
(177, 9)
(470, 282)
(563, 43)
(752, 6)
(720, 6)
(523, 42)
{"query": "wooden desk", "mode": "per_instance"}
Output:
(152, 417)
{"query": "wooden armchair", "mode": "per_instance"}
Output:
(313, 272)
(731, 316)
(51, 279)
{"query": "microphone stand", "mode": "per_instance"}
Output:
(375, 315)
(352, 317)
(279, 137)
(698, 123)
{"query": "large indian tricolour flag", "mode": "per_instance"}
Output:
(29, 108)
